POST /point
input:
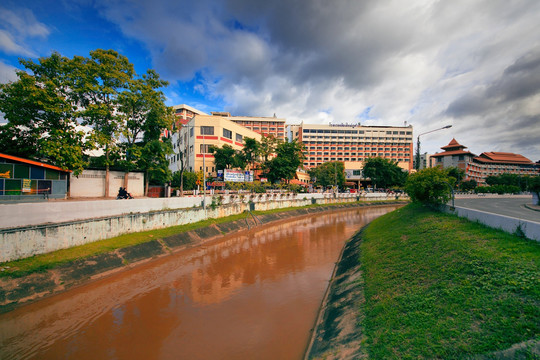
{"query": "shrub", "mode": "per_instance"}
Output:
(429, 186)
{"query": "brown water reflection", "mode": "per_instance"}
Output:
(248, 296)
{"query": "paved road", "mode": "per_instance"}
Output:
(508, 206)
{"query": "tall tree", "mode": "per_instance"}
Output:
(384, 172)
(251, 151)
(227, 158)
(289, 158)
(100, 81)
(268, 146)
(144, 115)
(328, 173)
(41, 109)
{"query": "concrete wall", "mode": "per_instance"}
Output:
(508, 224)
(91, 183)
(24, 241)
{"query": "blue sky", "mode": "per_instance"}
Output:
(474, 64)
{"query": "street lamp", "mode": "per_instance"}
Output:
(417, 167)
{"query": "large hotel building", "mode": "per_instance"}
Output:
(352, 144)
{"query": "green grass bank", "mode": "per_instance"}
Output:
(437, 286)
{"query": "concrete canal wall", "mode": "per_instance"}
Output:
(85, 224)
(529, 229)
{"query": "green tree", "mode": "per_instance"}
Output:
(251, 151)
(153, 161)
(100, 80)
(227, 158)
(189, 180)
(384, 173)
(144, 115)
(268, 146)
(328, 173)
(468, 185)
(429, 186)
(456, 173)
(289, 157)
(41, 109)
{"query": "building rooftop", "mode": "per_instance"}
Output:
(31, 162)
(453, 144)
(502, 158)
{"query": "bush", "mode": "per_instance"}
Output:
(429, 186)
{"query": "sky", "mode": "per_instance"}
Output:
(472, 64)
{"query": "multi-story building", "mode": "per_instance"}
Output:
(453, 155)
(352, 144)
(425, 160)
(184, 113)
(259, 124)
(192, 141)
(497, 163)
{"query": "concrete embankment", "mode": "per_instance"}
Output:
(338, 332)
(17, 291)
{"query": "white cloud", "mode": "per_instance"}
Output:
(17, 26)
(429, 63)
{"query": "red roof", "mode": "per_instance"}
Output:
(454, 152)
(502, 158)
(453, 145)
(32, 162)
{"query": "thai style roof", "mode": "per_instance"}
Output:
(453, 144)
(453, 148)
(503, 158)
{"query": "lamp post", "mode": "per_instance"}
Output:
(417, 167)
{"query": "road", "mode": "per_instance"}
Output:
(508, 206)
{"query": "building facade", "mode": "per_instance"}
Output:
(22, 179)
(262, 125)
(191, 143)
(454, 155)
(352, 144)
(184, 113)
(497, 163)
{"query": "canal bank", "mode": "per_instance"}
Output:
(15, 291)
(407, 287)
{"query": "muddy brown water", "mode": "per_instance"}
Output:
(253, 295)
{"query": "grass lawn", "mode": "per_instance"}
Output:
(437, 286)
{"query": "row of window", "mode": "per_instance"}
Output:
(327, 131)
(358, 148)
(316, 162)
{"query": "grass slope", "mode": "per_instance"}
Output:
(438, 286)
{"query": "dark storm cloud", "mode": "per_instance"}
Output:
(473, 62)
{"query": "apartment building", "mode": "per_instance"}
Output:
(497, 163)
(259, 124)
(354, 143)
(184, 113)
(193, 140)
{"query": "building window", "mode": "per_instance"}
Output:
(227, 134)
(207, 130)
(239, 138)
(190, 132)
(205, 149)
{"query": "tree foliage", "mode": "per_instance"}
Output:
(42, 111)
(125, 113)
(456, 173)
(429, 186)
(328, 173)
(383, 172)
(226, 157)
(289, 157)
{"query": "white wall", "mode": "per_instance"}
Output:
(508, 224)
(91, 183)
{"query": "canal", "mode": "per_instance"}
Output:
(251, 295)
